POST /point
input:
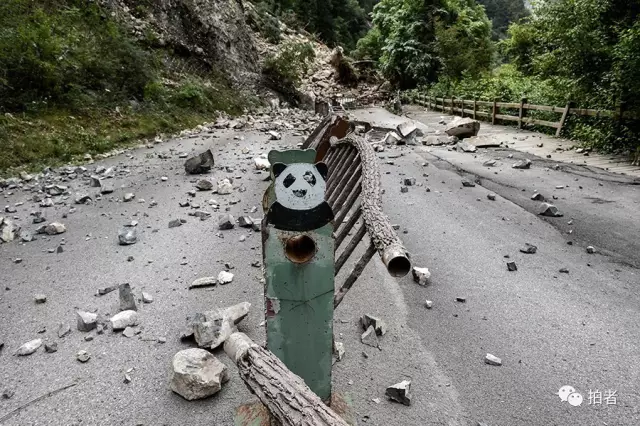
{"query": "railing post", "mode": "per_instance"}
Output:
(565, 113)
(495, 110)
(474, 107)
(523, 101)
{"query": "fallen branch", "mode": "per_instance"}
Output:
(286, 396)
(33, 401)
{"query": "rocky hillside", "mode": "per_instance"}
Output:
(211, 31)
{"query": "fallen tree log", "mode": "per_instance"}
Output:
(284, 394)
(394, 256)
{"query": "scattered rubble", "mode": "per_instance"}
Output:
(147, 298)
(522, 164)
(378, 325)
(467, 183)
(123, 320)
(126, 298)
(549, 210)
(197, 374)
(199, 164)
(51, 347)
(87, 321)
(225, 187)
(40, 298)
(370, 337)
(127, 236)
(29, 347)
(465, 146)
(428, 304)
(591, 250)
(463, 128)
(226, 222)
(63, 330)
(492, 360)
(225, 277)
(421, 275)
(128, 197)
(204, 282)
(211, 328)
(491, 196)
(529, 249)
(83, 356)
(400, 392)
(512, 267)
(175, 223)
(204, 185)
(537, 197)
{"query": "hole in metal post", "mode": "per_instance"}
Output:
(399, 266)
(300, 249)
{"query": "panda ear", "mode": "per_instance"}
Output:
(323, 169)
(278, 168)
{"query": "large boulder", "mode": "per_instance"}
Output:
(197, 374)
(463, 128)
(200, 163)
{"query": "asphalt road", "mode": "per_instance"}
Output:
(550, 329)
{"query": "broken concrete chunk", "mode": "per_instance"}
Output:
(204, 185)
(55, 228)
(63, 330)
(512, 267)
(83, 356)
(225, 187)
(40, 298)
(29, 347)
(8, 230)
(491, 197)
(204, 282)
(226, 222)
(123, 320)
(128, 197)
(370, 337)
(87, 321)
(400, 392)
(261, 163)
(549, 210)
(379, 325)
(51, 347)
(529, 249)
(212, 328)
(492, 360)
(465, 146)
(127, 236)
(147, 298)
(225, 277)
(537, 197)
(126, 298)
(245, 222)
(197, 374)
(175, 223)
(106, 188)
(199, 164)
(338, 351)
(421, 275)
(463, 128)
(522, 164)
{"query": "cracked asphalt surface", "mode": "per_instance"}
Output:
(550, 329)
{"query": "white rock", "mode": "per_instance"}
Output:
(492, 360)
(225, 187)
(261, 163)
(124, 319)
(197, 374)
(421, 275)
(29, 347)
(55, 228)
(225, 277)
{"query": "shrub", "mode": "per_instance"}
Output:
(283, 71)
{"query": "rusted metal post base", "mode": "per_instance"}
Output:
(256, 414)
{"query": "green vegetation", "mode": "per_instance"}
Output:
(72, 81)
(335, 22)
(585, 51)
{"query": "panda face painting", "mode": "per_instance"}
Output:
(299, 186)
(299, 197)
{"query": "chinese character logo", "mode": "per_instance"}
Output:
(569, 394)
(610, 397)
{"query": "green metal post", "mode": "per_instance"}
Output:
(298, 252)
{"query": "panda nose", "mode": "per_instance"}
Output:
(300, 192)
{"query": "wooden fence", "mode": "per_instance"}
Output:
(491, 111)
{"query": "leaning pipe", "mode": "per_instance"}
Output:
(394, 256)
(288, 399)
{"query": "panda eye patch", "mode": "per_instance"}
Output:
(289, 180)
(310, 178)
